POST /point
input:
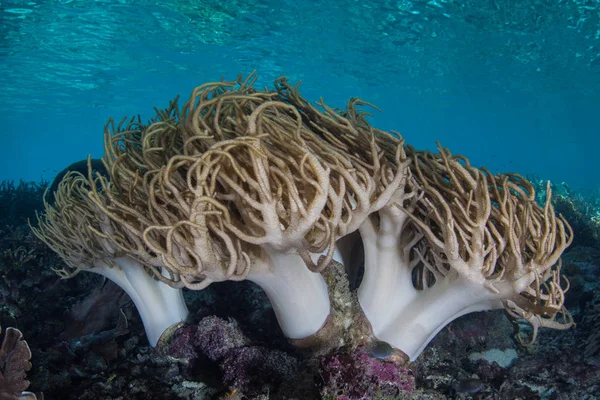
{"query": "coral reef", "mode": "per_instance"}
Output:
(18, 203)
(247, 187)
(444, 371)
(590, 330)
(261, 185)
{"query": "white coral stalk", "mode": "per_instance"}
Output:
(298, 296)
(159, 305)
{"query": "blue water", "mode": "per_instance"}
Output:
(513, 85)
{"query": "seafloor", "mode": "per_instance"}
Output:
(87, 341)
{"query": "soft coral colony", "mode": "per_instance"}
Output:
(262, 185)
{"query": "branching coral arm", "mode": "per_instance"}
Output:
(69, 228)
(220, 236)
(487, 245)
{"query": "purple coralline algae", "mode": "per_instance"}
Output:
(247, 368)
(216, 337)
(358, 376)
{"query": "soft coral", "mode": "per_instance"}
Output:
(467, 241)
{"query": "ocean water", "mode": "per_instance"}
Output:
(513, 85)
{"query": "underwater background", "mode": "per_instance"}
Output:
(511, 84)
(514, 85)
